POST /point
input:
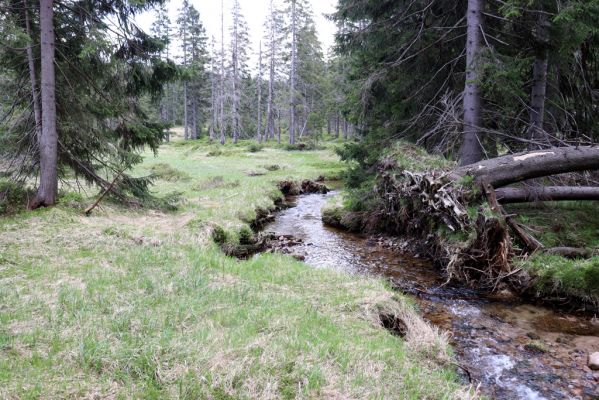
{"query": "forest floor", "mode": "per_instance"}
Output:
(138, 303)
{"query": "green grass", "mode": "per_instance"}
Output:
(141, 304)
(563, 224)
(559, 275)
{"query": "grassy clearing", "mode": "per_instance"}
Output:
(140, 304)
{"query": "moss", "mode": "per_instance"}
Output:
(558, 275)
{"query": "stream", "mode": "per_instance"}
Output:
(514, 350)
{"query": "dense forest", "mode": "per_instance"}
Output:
(229, 208)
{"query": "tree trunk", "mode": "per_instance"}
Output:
(546, 193)
(539, 87)
(37, 112)
(235, 91)
(185, 120)
(344, 130)
(48, 189)
(471, 149)
(194, 116)
(260, 93)
(222, 73)
(337, 126)
(502, 171)
(279, 127)
(292, 78)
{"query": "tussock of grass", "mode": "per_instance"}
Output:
(141, 304)
(167, 173)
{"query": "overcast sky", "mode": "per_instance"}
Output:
(254, 12)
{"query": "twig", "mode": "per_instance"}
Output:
(89, 209)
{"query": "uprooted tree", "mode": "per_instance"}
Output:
(464, 203)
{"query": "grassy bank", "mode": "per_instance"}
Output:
(563, 224)
(140, 303)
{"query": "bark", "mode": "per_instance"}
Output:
(37, 112)
(546, 193)
(260, 93)
(48, 188)
(222, 73)
(194, 116)
(344, 130)
(569, 252)
(235, 61)
(502, 171)
(213, 95)
(292, 78)
(185, 120)
(270, 117)
(471, 149)
(539, 87)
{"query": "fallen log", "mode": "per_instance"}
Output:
(502, 171)
(569, 252)
(546, 193)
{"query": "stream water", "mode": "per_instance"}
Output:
(514, 350)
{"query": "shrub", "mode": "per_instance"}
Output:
(254, 148)
(13, 196)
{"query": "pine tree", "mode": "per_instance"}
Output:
(238, 68)
(92, 120)
(161, 29)
(273, 37)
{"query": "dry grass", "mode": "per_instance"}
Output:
(140, 304)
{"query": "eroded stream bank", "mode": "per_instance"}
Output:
(514, 350)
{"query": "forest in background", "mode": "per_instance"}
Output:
(134, 164)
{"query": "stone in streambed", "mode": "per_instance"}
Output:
(594, 361)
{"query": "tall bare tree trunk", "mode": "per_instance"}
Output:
(279, 127)
(270, 117)
(194, 117)
(222, 72)
(471, 149)
(292, 78)
(539, 87)
(48, 189)
(185, 118)
(37, 112)
(260, 92)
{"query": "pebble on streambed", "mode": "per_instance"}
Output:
(594, 361)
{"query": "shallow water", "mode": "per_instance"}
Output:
(514, 350)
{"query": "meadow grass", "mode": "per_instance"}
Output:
(139, 303)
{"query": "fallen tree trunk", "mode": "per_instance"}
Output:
(569, 252)
(546, 193)
(502, 171)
